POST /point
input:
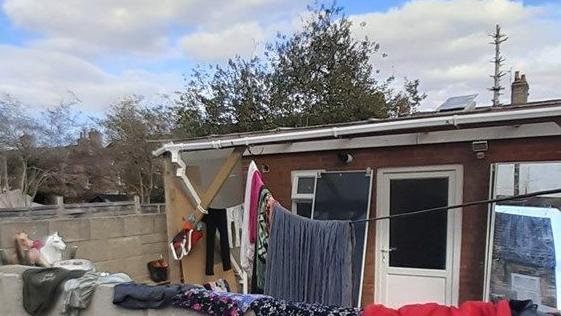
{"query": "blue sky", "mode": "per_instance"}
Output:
(104, 50)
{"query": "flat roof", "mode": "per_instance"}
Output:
(498, 115)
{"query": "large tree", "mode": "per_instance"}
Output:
(224, 99)
(320, 74)
(34, 147)
(129, 126)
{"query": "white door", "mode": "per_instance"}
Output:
(417, 257)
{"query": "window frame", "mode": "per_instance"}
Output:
(303, 197)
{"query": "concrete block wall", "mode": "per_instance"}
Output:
(11, 300)
(114, 243)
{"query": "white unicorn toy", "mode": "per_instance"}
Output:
(53, 249)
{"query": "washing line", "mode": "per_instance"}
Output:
(473, 203)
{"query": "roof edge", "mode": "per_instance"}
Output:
(453, 119)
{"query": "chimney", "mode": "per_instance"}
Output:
(95, 137)
(519, 89)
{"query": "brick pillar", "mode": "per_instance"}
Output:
(137, 204)
(60, 206)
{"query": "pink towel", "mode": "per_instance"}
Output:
(256, 185)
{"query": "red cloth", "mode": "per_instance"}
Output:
(256, 185)
(37, 244)
(471, 308)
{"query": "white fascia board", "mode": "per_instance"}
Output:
(438, 121)
(437, 137)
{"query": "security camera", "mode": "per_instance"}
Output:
(345, 157)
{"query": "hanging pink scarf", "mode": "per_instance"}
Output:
(256, 185)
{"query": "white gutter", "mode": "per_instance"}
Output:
(181, 172)
(448, 120)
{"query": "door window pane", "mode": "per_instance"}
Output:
(418, 241)
(306, 185)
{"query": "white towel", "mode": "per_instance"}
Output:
(247, 249)
(234, 217)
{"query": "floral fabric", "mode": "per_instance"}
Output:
(216, 303)
(271, 306)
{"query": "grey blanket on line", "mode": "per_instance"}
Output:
(309, 260)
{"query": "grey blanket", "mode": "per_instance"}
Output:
(78, 292)
(309, 260)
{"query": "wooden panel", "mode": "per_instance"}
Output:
(221, 176)
(178, 205)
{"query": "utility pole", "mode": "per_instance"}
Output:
(498, 38)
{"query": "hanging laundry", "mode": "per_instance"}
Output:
(265, 202)
(256, 187)
(271, 306)
(234, 217)
(216, 220)
(246, 248)
(40, 287)
(78, 292)
(474, 308)
(309, 260)
(184, 241)
(215, 303)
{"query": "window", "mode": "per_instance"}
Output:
(524, 236)
(303, 192)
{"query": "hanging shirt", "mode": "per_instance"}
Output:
(234, 217)
(246, 248)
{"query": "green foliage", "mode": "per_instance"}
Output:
(323, 75)
(319, 75)
(129, 126)
(234, 98)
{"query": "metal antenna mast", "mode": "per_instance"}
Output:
(498, 38)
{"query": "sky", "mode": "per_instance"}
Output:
(103, 50)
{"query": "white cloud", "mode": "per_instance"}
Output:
(83, 45)
(241, 39)
(133, 26)
(41, 78)
(445, 45)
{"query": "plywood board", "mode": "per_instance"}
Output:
(178, 205)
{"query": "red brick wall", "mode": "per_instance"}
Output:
(475, 187)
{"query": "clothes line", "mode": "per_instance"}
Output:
(444, 208)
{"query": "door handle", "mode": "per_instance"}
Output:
(388, 250)
(385, 253)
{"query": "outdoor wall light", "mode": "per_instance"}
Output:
(345, 158)
(480, 148)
